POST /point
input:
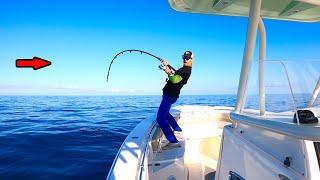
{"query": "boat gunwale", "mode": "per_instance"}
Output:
(143, 144)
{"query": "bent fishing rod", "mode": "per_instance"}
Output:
(141, 52)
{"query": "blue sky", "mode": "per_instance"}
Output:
(81, 37)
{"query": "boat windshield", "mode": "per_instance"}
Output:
(289, 85)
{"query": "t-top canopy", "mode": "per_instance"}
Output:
(293, 10)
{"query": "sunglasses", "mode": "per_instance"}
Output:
(186, 57)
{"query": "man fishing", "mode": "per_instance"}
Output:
(171, 93)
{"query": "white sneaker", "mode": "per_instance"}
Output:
(172, 145)
(179, 135)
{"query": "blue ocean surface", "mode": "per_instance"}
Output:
(74, 137)
(57, 137)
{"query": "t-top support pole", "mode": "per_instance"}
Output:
(262, 57)
(254, 17)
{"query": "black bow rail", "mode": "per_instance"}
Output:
(135, 50)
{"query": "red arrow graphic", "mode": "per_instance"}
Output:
(36, 63)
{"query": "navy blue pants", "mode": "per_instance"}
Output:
(165, 120)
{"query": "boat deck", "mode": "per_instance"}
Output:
(197, 155)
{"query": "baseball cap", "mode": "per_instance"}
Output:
(187, 55)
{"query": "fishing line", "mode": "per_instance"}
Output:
(135, 50)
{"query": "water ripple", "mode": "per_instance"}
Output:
(73, 137)
(65, 137)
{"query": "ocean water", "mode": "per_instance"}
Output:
(56, 137)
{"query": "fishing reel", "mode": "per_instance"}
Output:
(163, 67)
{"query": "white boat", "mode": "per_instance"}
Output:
(234, 142)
